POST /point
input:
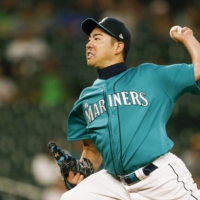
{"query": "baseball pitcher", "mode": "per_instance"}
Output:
(122, 119)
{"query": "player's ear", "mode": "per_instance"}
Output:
(119, 47)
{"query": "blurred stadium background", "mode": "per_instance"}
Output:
(43, 70)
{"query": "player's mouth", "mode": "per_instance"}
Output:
(89, 55)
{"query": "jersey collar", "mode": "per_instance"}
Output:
(111, 70)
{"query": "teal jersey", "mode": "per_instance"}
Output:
(126, 115)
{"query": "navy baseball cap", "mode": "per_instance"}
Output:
(113, 27)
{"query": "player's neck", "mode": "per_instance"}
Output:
(112, 70)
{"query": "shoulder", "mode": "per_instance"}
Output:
(92, 90)
(155, 67)
(144, 66)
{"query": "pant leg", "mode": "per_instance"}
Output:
(172, 181)
(136, 196)
(99, 186)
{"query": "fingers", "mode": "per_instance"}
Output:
(186, 30)
(74, 178)
(183, 31)
(174, 31)
(81, 177)
(181, 35)
(70, 176)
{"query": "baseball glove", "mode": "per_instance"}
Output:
(68, 163)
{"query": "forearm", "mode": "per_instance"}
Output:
(185, 36)
(90, 152)
(193, 47)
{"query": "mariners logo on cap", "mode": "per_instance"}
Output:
(121, 36)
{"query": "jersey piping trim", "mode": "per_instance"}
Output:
(182, 182)
(109, 131)
(120, 123)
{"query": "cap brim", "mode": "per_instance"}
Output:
(90, 24)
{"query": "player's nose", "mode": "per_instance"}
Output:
(89, 45)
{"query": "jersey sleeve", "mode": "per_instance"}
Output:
(177, 79)
(76, 124)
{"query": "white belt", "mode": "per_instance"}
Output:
(143, 173)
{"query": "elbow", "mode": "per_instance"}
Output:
(197, 72)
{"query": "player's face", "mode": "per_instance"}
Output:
(99, 49)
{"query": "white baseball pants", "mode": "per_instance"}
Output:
(171, 181)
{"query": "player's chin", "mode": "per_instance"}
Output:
(90, 64)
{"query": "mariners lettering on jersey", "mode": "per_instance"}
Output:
(127, 99)
(94, 110)
(119, 99)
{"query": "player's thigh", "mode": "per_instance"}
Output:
(99, 186)
(136, 196)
